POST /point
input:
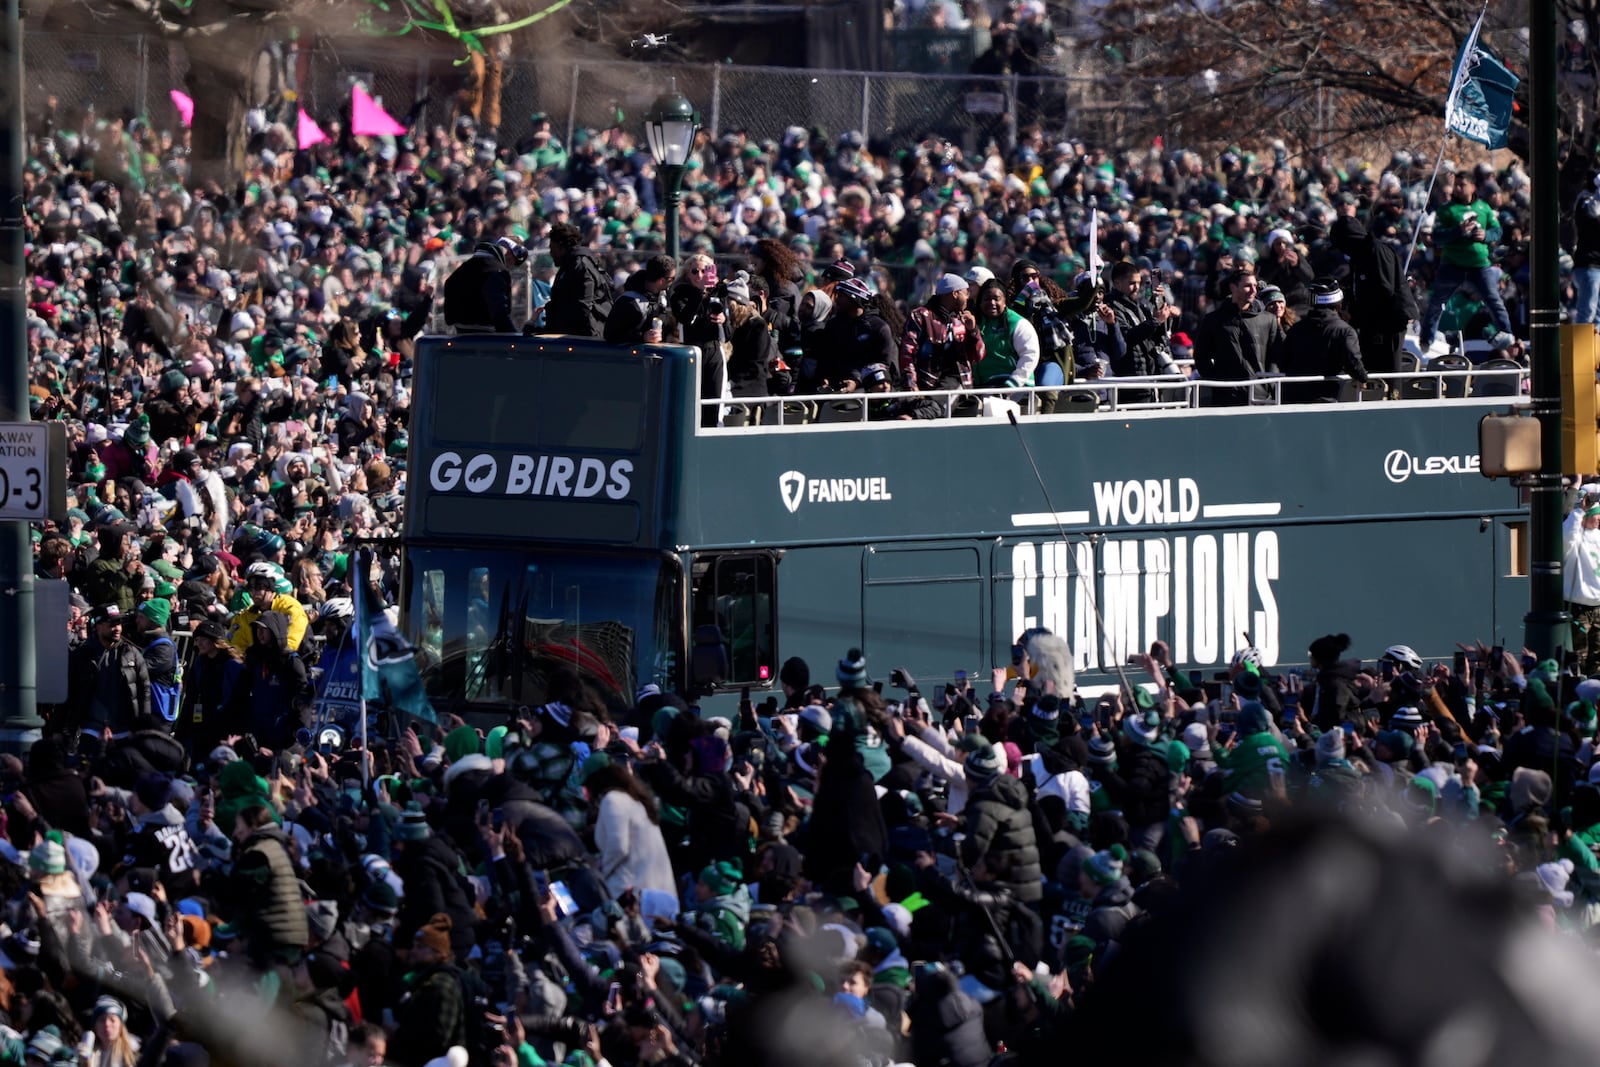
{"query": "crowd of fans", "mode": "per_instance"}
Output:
(844, 876)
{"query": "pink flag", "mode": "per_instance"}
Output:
(310, 132)
(367, 119)
(185, 105)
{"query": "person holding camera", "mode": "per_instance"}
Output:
(699, 306)
(1144, 329)
(639, 314)
(1463, 231)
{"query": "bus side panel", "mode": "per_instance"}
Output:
(1203, 591)
(819, 608)
(923, 609)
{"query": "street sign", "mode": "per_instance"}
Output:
(24, 470)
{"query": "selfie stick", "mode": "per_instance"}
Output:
(1094, 601)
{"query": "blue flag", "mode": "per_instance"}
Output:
(1481, 90)
(389, 676)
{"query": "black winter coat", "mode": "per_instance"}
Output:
(1139, 785)
(1321, 343)
(580, 297)
(846, 822)
(431, 871)
(1000, 832)
(477, 295)
(717, 821)
(1234, 346)
(984, 914)
(1146, 339)
(120, 667)
(1381, 299)
(1335, 700)
(946, 1025)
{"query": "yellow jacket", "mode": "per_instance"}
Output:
(242, 635)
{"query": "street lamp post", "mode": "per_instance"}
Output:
(671, 126)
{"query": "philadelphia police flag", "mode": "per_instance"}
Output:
(389, 676)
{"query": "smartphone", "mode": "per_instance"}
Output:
(961, 677)
(1213, 690)
(614, 999)
(1349, 728)
(1461, 662)
(970, 724)
(564, 902)
(1496, 657)
(498, 818)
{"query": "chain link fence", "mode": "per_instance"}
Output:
(132, 75)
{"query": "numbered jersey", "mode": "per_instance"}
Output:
(1257, 763)
(168, 849)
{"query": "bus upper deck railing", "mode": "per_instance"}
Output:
(1114, 396)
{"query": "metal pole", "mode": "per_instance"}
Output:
(866, 106)
(1545, 627)
(572, 109)
(671, 183)
(716, 108)
(19, 718)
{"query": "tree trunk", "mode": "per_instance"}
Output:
(219, 81)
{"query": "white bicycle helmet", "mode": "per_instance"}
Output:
(1249, 657)
(1404, 655)
(261, 572)
(340, 607)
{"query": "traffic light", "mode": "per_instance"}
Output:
(1580, 399)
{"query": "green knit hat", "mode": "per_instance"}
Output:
(1105, 867)
(461, 743)
(158, 611)
(722, 878)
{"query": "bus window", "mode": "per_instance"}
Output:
(735, 624)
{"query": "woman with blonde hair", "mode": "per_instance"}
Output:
(699, 307)
(108, 1043)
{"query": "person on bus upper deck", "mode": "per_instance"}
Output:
(1097, 341)
(1233, 341)
(1144, 328)
(699, 307)
(752, 348)
(941, 344)
(860, 333)
(639, 314)
(580, 296)
(1321, 343)
(477, 295)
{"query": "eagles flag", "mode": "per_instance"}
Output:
(1481, 88)
(389, 676)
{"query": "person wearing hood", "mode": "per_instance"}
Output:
(722, 904)
(946, 1024)
(264, 599)
(1103, 881)
(1236, 341)
(1334, 778)
(639, 314)
(999, 826)
(477, 295)
(159, 840)
(1381, 301)
(1334, 700)
(1258, 762)
(1321, 343)
(846, 819)
(273, 685)
(814, 318)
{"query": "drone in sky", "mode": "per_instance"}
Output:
(651, 40)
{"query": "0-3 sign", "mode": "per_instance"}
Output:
(24, 470)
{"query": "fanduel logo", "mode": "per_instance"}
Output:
(531, 475)
(1400, 465)
(794, 487)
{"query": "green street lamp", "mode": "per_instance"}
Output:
(671, 125)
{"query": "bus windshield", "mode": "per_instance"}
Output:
(498, 630)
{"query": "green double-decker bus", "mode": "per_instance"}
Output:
(571, 519)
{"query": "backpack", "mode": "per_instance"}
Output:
(600, 310)
(165, 696)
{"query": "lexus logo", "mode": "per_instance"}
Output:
(1400, 465)
(792, 485)
(1397, 465)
